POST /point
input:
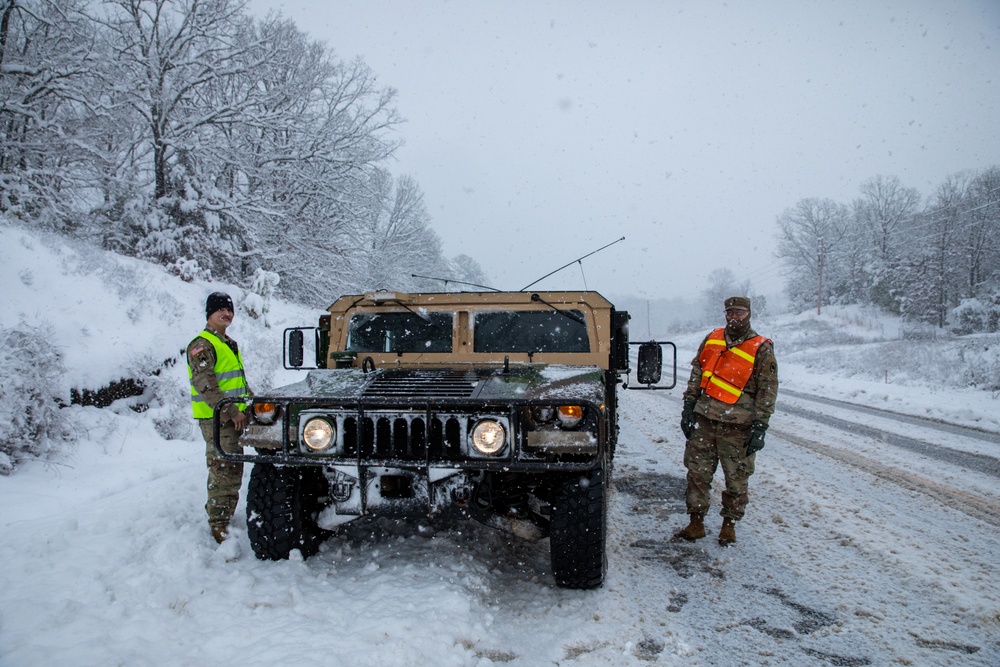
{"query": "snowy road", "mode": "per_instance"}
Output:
(858, 548)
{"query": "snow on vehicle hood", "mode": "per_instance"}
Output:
(530, 382)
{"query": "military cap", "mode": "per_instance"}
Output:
(738, 302)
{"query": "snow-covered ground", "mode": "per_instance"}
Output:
(854, 551)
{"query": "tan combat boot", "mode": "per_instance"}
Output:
(727, 535)
(219, 533)
(695, 530)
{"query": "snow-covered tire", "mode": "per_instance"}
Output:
(578, 531)
(282, 504)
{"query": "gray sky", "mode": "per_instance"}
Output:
(541, 131)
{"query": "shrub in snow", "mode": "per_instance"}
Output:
(189, 270)
(31, 392)
(168, 398)
(970, 316)
(979, 358)
(993, 313)
(257, 303)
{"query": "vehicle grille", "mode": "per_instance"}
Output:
(404, 437)
(423, 384)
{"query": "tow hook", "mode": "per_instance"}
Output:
(461, 496)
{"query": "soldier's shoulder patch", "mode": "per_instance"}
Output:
(196, 348)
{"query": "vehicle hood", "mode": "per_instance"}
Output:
(530, 382)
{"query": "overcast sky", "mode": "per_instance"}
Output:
(541, 131)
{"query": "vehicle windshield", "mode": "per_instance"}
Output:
(400, 332)
(531, 331)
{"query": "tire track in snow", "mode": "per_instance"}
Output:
(924, 422)
(978, 462)
(969, 503)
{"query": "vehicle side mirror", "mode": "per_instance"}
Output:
(650, 364)
(296, 346)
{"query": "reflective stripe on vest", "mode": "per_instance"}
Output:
(228, 374)
(726, 371)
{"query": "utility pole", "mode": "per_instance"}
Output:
(819, 291)
(820, 257)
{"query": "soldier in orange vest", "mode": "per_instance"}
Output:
(727, 404)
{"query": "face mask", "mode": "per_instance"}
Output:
(737, 328)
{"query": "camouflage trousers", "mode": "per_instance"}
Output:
(224, 477)
(710, 444)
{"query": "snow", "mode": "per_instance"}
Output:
(846, 556)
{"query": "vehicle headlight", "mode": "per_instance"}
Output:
(570, 415)
(266, 413)
(318, 434)
(489, 436)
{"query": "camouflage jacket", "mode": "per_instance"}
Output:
(759, 395)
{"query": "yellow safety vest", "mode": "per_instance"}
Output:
(228, 373)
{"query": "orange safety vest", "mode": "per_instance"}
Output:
(725, 371)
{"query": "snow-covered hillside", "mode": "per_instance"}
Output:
(108, 560)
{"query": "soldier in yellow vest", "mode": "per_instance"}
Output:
(215, 367)
(727, 405)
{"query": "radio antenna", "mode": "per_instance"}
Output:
(578, 259)
(457, 282)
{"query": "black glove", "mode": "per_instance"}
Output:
(755, 442)
(687, 419)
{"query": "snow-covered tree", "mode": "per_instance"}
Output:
(300, 161)
(980, 238)
(31, 422)
(48, 128)
(883, 212)
(930, 275)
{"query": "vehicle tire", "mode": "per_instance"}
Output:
(578, 531)
(282, 505)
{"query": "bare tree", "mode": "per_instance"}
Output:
(395, 241)
(721, 284)
(465, 269)
(808, 234)
(883, 209)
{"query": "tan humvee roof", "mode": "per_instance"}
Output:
(595, 307)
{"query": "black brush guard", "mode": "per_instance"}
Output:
(380, 440)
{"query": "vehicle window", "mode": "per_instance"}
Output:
(400, 332)
(531, 331)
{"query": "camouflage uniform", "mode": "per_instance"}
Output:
(723, 430)
(224, 477)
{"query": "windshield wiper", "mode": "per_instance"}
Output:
(571, 314)
(424, 316)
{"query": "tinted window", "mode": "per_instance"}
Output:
(400, 332)
(531, 331)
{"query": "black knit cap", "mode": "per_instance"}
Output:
(217, 301)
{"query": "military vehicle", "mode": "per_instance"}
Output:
(498, 406)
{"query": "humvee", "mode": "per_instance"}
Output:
(500, 406)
